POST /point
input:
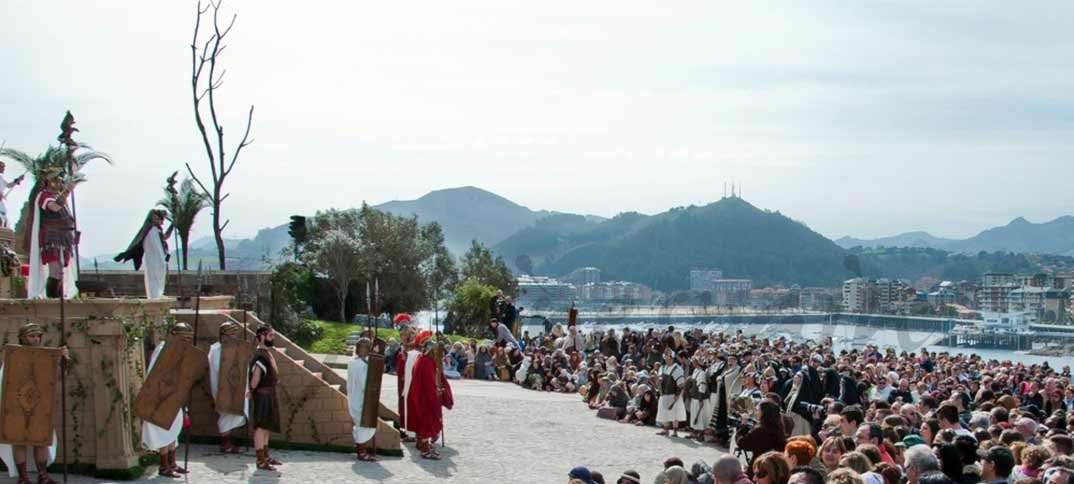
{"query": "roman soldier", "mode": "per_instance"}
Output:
(226, 422)
(150, 245)
(264, 407)
(406, 352)
(51, 239)
(14, 456)
(426, 391)
(357, 378)
(163, 440)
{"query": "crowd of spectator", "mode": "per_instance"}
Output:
(786, 411)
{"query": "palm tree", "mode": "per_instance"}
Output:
(54, 158)
(183, 207)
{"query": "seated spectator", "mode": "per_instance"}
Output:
(845, 476)
(805, 475)
(629, 477)
(1033, 457)
(728, 470)
(771, 468)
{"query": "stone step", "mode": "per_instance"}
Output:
(318, 375)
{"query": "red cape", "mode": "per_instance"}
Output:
(425, 416)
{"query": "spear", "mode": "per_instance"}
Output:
(190, 394)
(63, 375)
(376, 301)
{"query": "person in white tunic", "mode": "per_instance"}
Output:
(160, 439)
(150, 248)
(14, 456)
(700, 408)
(357, 376)
(670, 408)
(226, 422)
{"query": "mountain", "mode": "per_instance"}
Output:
(909, 239)
(1020, 236)
(467, 213)
(660, 250)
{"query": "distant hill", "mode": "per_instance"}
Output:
(1020, 236)
(913, 263)
(464, 213)
(467, 213)
(660, 250)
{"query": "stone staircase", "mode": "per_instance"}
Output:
(312, 396)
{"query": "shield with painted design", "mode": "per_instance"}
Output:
(234, 363)
(165, 390)
(28, 395)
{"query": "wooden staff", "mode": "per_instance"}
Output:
(190, 394)
(63, 372)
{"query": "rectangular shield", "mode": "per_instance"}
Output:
(374, 376)
(234, 364)
(28, 395)
(168, 385)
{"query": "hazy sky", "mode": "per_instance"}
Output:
(857, 118)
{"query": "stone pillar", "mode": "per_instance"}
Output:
(111, 394)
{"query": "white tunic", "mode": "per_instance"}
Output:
(671, 408)
(7, 451)
(154, 437)
(357, 371)
(155, 263)
(226, 421)
(701, 410)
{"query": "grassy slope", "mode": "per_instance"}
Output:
(333, 339)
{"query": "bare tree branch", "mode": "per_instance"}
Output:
(203, 88)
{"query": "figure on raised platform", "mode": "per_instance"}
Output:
(52, 239)
(357, 386)
(426, 391)
(150, 248)
(264, 407)
(15, 456)
(225, 357)
(155, 437)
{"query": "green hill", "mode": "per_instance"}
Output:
(660, 250)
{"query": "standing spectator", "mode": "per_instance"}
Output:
(609, 345)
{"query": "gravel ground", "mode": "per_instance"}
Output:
(497, 433)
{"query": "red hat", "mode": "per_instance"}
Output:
(422, 336)
(401, 318)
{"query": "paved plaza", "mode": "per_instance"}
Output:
(497, 433)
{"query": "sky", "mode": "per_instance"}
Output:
(858, 118)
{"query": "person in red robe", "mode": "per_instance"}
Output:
(427, 392)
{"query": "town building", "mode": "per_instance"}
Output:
(702, 280)
(541, 293)
(583, 275)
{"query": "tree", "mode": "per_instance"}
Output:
(440, 269)
(183, 207)
(54, 158)
(479, 264)
(404, 256)
(205, 89)
(470, 306)
(339, 256)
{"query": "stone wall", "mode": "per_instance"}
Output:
(255, 285)
(107, 369)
